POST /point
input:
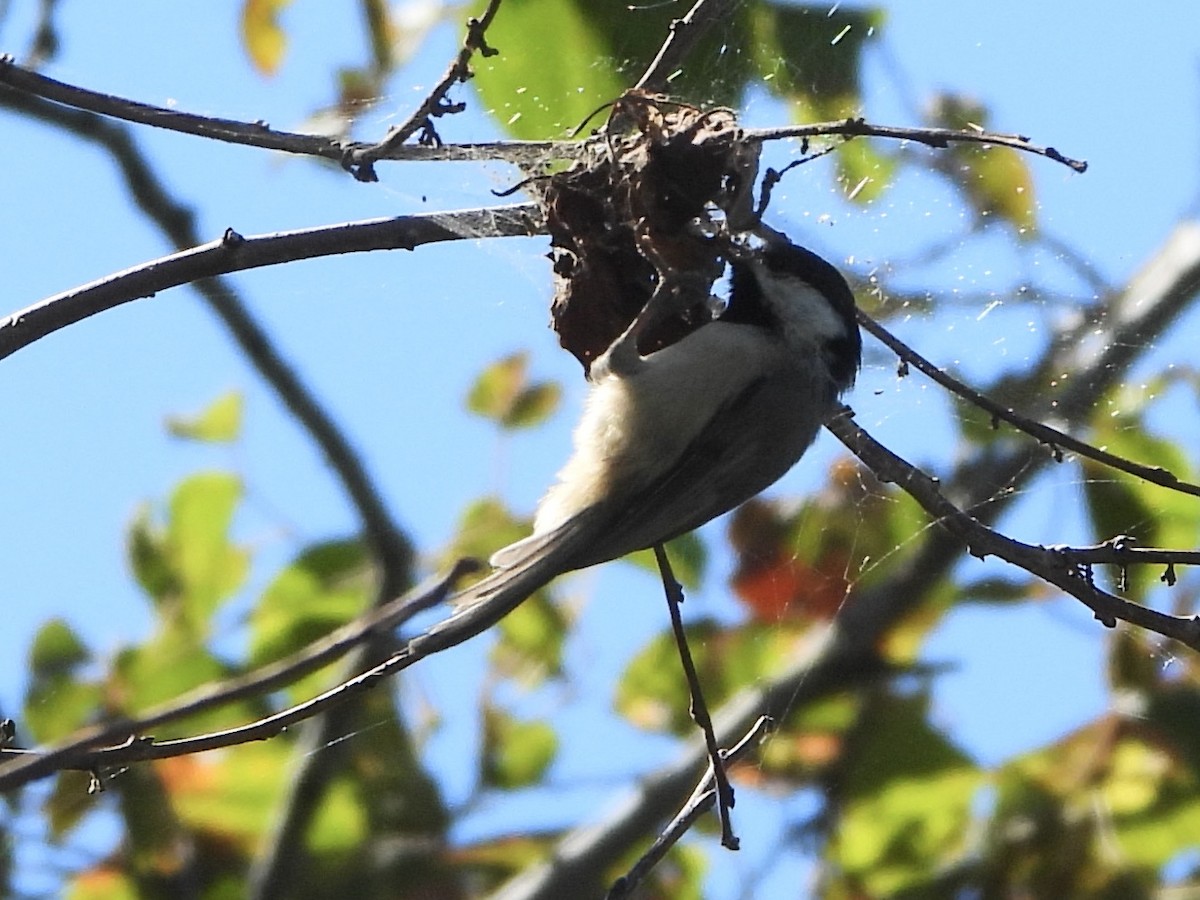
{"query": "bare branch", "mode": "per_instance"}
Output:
(485, 604)
(697, 705)
(361, 162)
(353, 156)
(1046, 563)
(939, 138)
(1121, 551)
(234, 253)
(81, 752)
(24, 81)
(703, 798)
(681, 39)
(1052, 437)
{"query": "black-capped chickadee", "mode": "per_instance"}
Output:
(674, 439)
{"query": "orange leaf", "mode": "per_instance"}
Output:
(786, 586)
(770, 589)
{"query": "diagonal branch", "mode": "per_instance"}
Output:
(698, 706)
(175, 220)
(1049, 564)
(703, 798)
(234, 253)
(81, 751)
(1052, 437)
(683, 36)
(26, 83)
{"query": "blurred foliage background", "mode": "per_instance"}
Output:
(459, 777)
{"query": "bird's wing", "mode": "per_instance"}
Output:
(713, 474)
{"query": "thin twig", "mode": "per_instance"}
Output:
(697, 707)
(1121, 551)
(450, 632)
(259, 134)
(701, 800)
(1046, 434)
(683, 36)
(361, 162)
(26, 81)
(939, 138)
(81, 753)
(981, 541)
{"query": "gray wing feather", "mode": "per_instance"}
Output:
(714, 475)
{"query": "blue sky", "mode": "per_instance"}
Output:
(390, 342)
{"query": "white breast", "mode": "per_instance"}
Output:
(635, 425)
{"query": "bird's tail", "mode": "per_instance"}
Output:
(536, 562)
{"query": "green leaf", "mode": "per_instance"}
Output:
(232, 793)
(681, 875)
(262, 38)
(189, 566)
(1153, 783)
(866, 524)
(533, 405)
(908, 795)
(385, 33)
(340, 824)
(58, 705)
(211, 567)
(326, 586)
(163, 668)
(688, 556)
(495, 390)
(548, 92)
(220, 422)
(104, 882)
(150, 559)
(68, 803)
(515, 753)
(1118, 797)
(812, 55)
(57, 701)
(653, 691)
(808, 741)
(1122, 504)
(863, 171)
(996, 181)
(503, 393)
(591, 51)
(486, 526)
(56, 651)
(531, 640)
(395, 791)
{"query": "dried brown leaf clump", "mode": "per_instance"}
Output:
(647, 202)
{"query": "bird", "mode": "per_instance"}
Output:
(675, 438)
